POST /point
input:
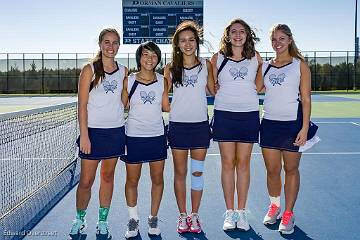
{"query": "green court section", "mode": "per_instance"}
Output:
(326, 110)
(351, 96)
(335, 110)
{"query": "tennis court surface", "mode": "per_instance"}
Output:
(40, 169)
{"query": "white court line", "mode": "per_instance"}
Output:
(333, 122)
(321, 153)
(7, 159)
(354, 123)
(209, 154)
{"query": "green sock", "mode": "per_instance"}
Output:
(103, 213)
(80, 214)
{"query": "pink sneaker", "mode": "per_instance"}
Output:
(272, 215)
(287, 223)
(194, 223)
(182, 225)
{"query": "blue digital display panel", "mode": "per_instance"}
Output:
(145, 20)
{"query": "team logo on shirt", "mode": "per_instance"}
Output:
(147, 97)
(190, 81)
(277, 79)
(238, 73)
(109, 86)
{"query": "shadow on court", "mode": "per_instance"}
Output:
(193, 236)
(81, 237)
(249, 235)
(297, 234)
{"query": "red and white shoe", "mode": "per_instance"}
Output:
(182, 225)
(272, 214)
(194, 223)
(287, 223)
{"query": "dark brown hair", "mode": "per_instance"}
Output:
(151, 46)
(249, 46)
(177, 65)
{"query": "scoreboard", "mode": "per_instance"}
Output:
(152, 20)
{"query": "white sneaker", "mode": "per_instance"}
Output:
(230, 220)
(242, 223)
(102, 229)
(133, 228)
(153, 222)
(78, 227)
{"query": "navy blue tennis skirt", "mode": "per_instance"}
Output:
(279, 135)
(195, 135)
(105, 143)
(236, 126)
(145, 149)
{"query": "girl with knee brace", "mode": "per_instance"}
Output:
(189, 130)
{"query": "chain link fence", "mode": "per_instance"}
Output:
(41, 73)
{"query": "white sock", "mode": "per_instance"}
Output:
(275, 200)
(133, 213)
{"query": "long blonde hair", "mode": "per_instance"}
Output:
(293, 50)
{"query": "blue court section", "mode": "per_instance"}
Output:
(328, 204)
(332, 98)
(314, 98)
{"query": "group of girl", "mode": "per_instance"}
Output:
(235, 75)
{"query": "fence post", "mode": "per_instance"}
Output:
(58, 60)
(355, 67)
(23, 73)
(348, 71)
(42, 74)
(316, 88)
(331, 78)
(76, 70)
(7, 73)
(354, 82)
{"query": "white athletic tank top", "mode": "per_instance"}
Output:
(237, 92)
(145, 114)
(105, 108)
(189, 102)
(282, 91)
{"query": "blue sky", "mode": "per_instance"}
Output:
(73, 25)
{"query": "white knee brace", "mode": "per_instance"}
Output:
(197, 182)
